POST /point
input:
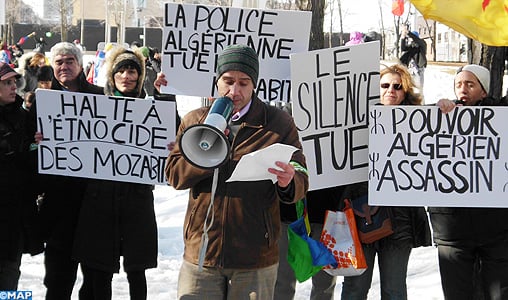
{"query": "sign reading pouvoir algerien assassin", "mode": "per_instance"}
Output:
(104, 137)
(419, 156)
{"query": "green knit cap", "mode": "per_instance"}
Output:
(239, 58)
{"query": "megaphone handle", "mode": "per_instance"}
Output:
(206, 225)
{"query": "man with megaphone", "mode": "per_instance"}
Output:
(232, 228)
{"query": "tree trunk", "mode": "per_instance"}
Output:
(495, 62)
(63, 21)
(493, 58)
(317, 37)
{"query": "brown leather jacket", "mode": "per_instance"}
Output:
(246, 223)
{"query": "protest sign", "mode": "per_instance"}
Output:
(419, 156)
(193, 36)
(104, 137)
(331, 92)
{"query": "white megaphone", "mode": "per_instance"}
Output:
(205, 145)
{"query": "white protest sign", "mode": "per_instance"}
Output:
(104, 137)
(331, 91)
(193, 36)
(419, 156)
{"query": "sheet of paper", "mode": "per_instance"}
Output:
(254, 166)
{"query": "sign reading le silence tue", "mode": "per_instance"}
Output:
(331, 93)
(104, 137)
(419, 156)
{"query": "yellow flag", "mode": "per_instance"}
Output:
(483, 20)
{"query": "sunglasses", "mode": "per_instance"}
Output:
(396, 86)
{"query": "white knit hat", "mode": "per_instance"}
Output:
(481, 73)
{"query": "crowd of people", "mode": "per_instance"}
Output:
(53, 214)
(235, 233)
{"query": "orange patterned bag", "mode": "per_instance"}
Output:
(340, 236)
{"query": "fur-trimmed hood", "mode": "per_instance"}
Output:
(112, 61)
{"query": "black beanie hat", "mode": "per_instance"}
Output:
(239, 58)
(128, 58)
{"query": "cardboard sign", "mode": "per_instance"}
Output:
(419, 156)
(332, 89)
(194, 35)
(104, 137)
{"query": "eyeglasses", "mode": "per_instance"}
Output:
(396, 86)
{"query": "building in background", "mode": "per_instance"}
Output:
(95, 21)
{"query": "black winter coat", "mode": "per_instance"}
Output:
(17, 191)
(117, 218)
(467, 227)
(63, 194)
(417, 50)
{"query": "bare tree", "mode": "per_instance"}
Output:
(399, 21)
(341, 33)
(396, 23)
(12, 15)
(64, 9)
(317, 7)
(119, 13)
(383, 35)
(331, 9)
(431, 29)
(317, 37)
(493, 58)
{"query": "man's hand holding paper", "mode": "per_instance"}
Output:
(268, 163)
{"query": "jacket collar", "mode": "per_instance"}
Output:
(55, 85)
(257, 115)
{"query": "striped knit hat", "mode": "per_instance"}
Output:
(239, 58)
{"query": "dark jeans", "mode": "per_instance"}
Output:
(393, 258)
(9, 271)
(456, 265)
(60, 273)
(9, 274)
(97, 284)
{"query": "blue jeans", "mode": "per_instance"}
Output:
(323, 284)
(221, 284)
(393, 257)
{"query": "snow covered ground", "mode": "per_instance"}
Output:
(423, 275)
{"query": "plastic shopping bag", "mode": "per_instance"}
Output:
(306, 256)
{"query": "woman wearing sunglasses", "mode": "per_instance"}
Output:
(409, 224)
(397, 87)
